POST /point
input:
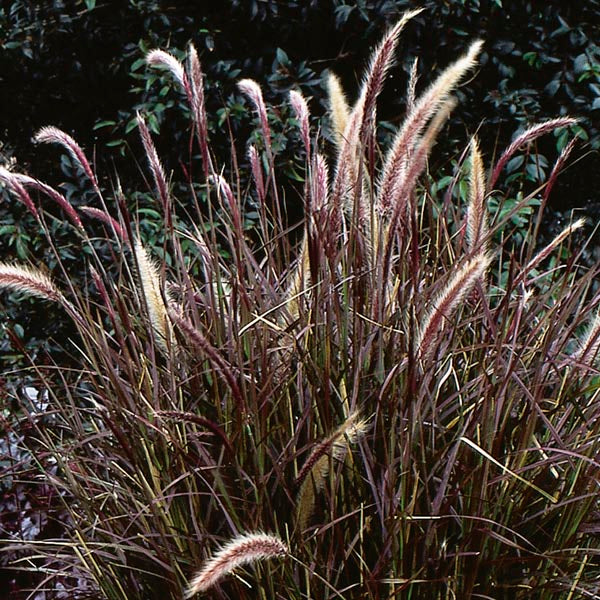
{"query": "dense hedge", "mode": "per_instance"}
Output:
(74, 63)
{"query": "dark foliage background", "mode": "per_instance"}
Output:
(76, 63)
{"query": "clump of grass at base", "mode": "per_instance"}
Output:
(208, 389)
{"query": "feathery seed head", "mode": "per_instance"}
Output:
(558, 166)
(320, 184)
(227, 193)
(424, 109)
(196, 100)
(312, 476)
(339, 111)
(12, 181)
(243, 549)
(589, 346)
(101, 215)
(53, 135)
(455, 291)
(381, 61)
(197, 77)
(151, 289)
(250, 88)
(53, 195)
(411, 93)
(557, 241)
(158, 172)
(30, 281)
(299, 281)
(402, 181)
(528, 136)
(347, 185)
(300, 107)
(477, 226)
(160, 58)
(257, 173)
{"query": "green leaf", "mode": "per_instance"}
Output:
(137, 64)
(514, 164)
(562, 140)
(152, 122)
(21, 248)
(442, 183)
(282, 57)
(552, 87)
(102, 124)
(131, 125)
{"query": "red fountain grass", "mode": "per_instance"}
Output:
(218, 385)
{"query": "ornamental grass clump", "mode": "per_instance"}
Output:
(407, 406)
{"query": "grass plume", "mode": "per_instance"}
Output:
(152, 292)
(409, 134)
(12, 181)
(242, 550)
(314, 471)
(29, 281)
(453, 294)
(339, 110)
(477, 221)
(53, 135)
(160, 58)
(528, 136)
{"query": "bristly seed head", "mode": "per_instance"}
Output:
(151, 289)
(339, 111)
(314, 471)
(53, 135)
(455, 291)
(160, 58)
(250, 88)
(525, 138)
(244, 549)
(409, 135)
(12, 181)
(477, 224)
(29, 280)
(300, 107)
